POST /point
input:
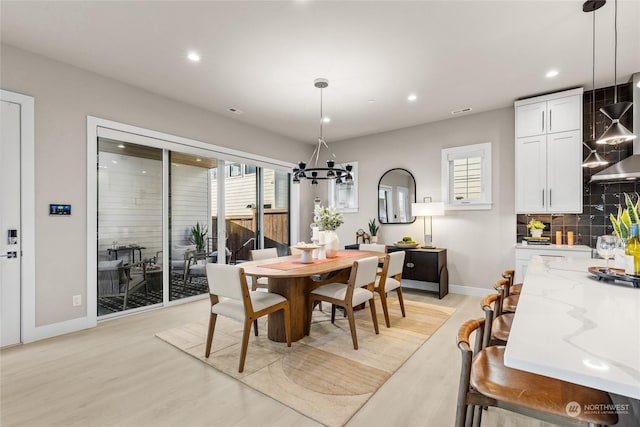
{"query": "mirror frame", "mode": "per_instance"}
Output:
(413, 197)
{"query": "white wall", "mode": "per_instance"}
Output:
(480, 244)
(64, 97)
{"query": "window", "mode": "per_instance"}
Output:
(466, 177)
(233, 169)
(249, 169)
(344, 197)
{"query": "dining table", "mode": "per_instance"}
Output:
(572, 325)
(293, 279)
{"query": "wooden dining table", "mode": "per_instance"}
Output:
(289, 277)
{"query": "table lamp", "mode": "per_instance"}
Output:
(427, 209)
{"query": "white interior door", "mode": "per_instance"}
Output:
(10, 252)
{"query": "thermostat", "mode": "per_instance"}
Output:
(57, 209)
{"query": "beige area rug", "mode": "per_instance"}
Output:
(320, 376)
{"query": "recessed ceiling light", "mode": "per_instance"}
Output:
(412, 97)
(326, 119)
(144, 171)
(371, 101)
(551, 73)
(193, 56)
(234, 110)
(120, 145)
(198, 159)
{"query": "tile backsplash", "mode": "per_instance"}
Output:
(599, 199)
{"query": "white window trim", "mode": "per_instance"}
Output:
(482, 150)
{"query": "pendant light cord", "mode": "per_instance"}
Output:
(593, 79)
(615, 52)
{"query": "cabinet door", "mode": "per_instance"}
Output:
(531, 174)
(530, 119)
(564, 114)
(564, 172)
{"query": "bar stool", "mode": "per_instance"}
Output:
(486, 381)
(498, 325)
(514, 289)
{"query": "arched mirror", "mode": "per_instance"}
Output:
(396, 192)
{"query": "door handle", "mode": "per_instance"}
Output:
(9, 255)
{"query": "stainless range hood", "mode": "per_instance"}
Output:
(629, 168)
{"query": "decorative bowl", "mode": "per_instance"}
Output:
(406, 245)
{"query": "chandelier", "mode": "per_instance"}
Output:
(341, 174)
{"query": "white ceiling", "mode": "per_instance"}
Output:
(262, 57)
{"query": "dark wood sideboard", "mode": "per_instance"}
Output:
(425, 265)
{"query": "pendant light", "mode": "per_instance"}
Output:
(593, 160)
(341, 174)
(616, 133)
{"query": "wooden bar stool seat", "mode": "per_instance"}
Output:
(486, 381)
(501, 327)
(515, 289)
(510, 303)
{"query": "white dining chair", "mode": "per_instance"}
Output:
(350, 294)
(230, 297)
(389, 281)
(258, 254)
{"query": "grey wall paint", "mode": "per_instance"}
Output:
(480, 244)
(64, 96)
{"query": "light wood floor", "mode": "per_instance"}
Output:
(119, 374)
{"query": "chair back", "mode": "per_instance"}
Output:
(226, 280)
(373, 247)
(294, 251)
(258, 254)
(396, 263)
(365, 271)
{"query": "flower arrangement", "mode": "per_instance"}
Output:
(622, 223)
(534, 224)
(329, 219)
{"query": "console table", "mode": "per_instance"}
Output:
(425, 265)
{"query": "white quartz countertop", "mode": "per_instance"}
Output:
(577, 248)
(574, 328)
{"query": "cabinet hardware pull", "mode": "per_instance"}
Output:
(550, 120)
(543, 197)
(550, 199)
(542, 121)
(563, 137)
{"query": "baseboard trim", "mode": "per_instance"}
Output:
(55, 329)
(469, 290)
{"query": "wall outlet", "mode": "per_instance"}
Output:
(77, 300)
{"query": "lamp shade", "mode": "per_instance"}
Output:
(615, 134)
(427, 209)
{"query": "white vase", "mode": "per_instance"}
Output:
(374, 239)
(332, 243)
(536, 232)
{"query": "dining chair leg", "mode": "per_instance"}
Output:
(307, 328)
(352, 326)
(255, 327)
(212, 325)
(385, 309)
(245, 343)
(401, 301)
(287, 323)
(374, 316)
(333, 313)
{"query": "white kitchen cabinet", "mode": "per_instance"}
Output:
(524, 253)
(549, 164)
(553, 113)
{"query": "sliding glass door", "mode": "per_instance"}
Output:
(129, 226)
(159, 219)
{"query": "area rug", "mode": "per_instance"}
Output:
(320, 376)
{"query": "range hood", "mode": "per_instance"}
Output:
(629, 168)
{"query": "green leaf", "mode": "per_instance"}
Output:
(631, 209)
(616, 225)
